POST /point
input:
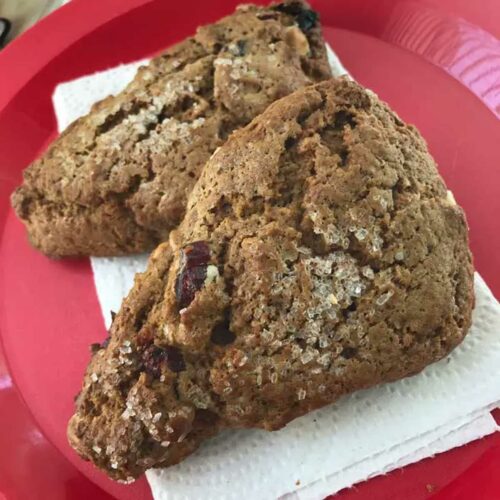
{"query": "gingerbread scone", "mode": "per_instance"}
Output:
(320, 254)
(117, 180)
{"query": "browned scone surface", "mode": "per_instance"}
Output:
(117, 180)
(320, 254)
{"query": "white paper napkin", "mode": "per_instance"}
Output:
(365, 434)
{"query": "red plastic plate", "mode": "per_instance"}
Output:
(436, 62)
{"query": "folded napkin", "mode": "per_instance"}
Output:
(365, 434)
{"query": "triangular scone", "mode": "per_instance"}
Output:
(320, 254)
(117, 180)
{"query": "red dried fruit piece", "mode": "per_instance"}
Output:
(175, 359)
(153, 357)
(193, 272)
(197, 253)
(189, 281)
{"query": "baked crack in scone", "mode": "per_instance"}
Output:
(320, 254)
(117, 180)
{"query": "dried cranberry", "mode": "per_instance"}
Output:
(175, 359)
(305, 18)
(197, 253)
(193, 272)
(348, 352)
(222, 335)
(188, 283)
(154, 356)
